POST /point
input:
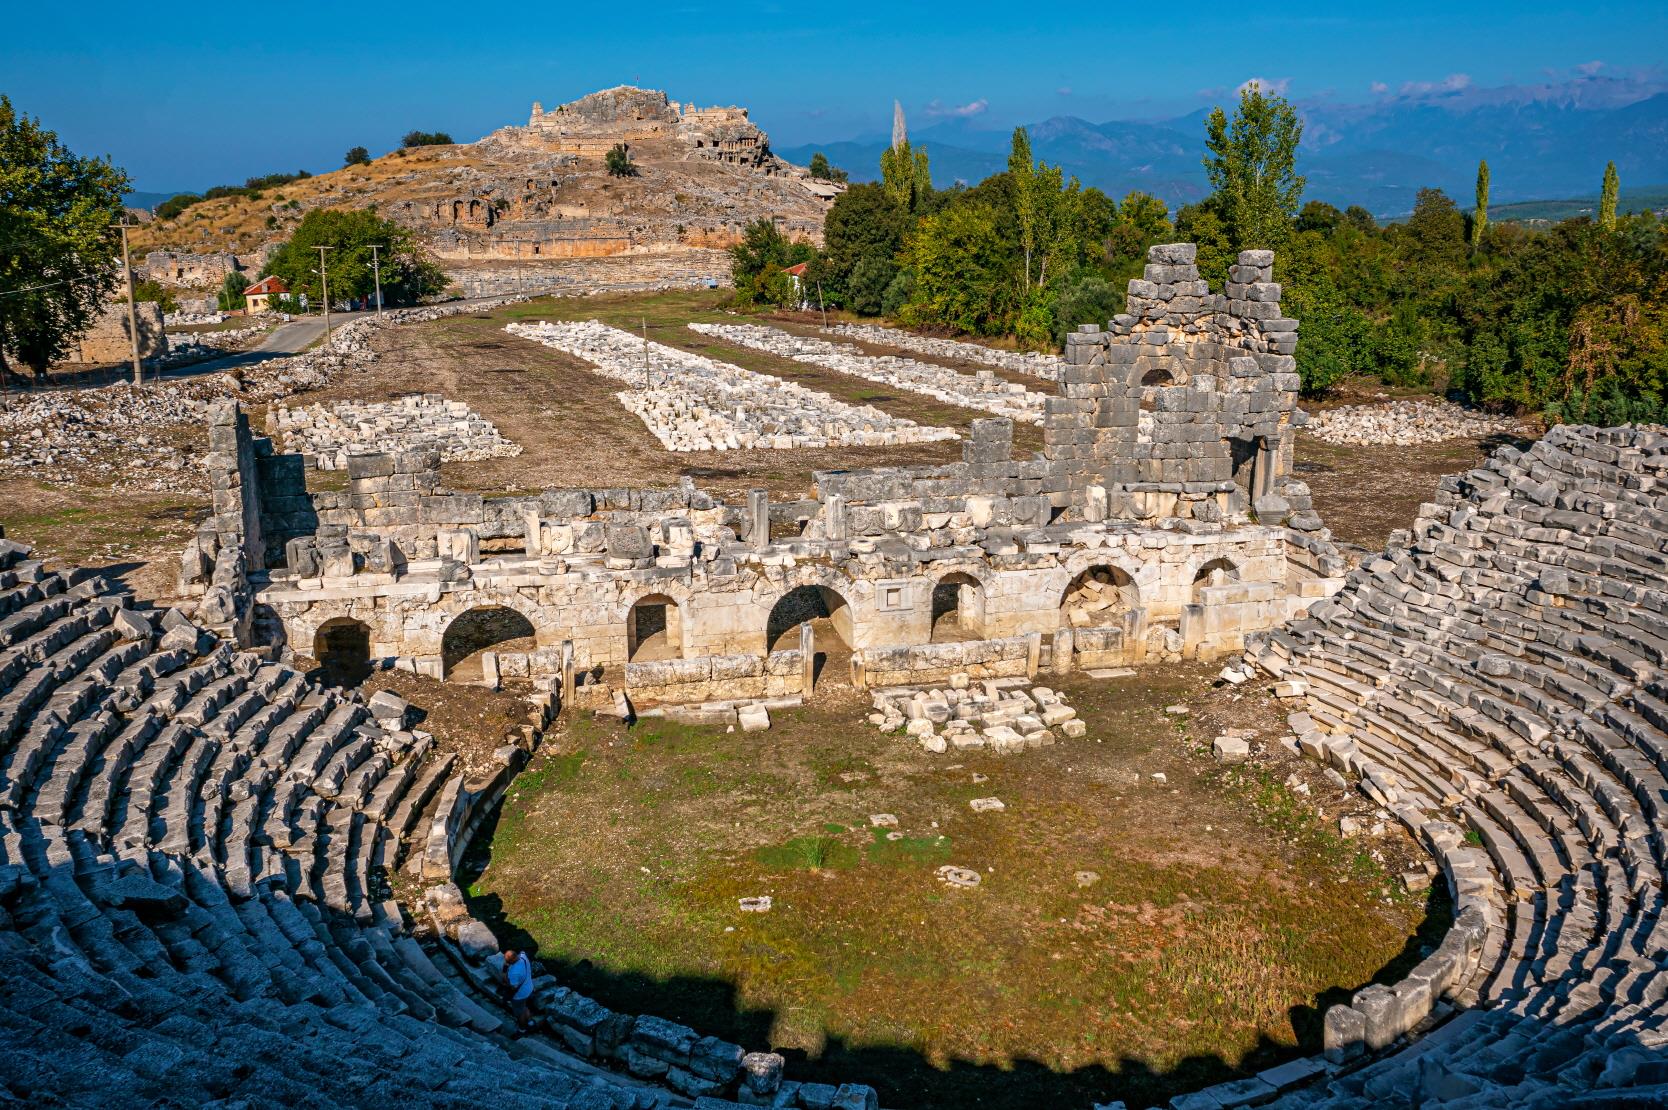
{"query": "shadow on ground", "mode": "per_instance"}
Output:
(904, 1078)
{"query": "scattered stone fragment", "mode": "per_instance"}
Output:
(963, 877)
(760, 904)
(1231, 749)
(987, 805)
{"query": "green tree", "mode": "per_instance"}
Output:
(963, 271)
(154, 291)
(408, 274)
(356, 156)
(425, 138)
(1479, 215)
(57, 262)
(864, 228)
(619, 163)
(822, 170)
(1088, 300)
(230, 296)
(758, 262)
(1608, 197)
(906, 176)
(174, 205)
(1252, 165)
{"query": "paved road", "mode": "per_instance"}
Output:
(286, 339)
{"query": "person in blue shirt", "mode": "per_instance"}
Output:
(518, 988)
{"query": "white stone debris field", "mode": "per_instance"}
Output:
(983, 391)
(693, 403)
(1037, 364)
(1406, 424)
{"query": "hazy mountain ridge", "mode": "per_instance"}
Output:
(1540, 141)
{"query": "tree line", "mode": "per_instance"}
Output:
(1569, 320)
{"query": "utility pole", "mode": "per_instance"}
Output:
(376, 270)
(132, 315)
(324, 295)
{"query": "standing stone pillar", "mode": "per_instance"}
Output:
(567, 673)
(758, 519)
(834, 517)
(808, 653)
(1033, 655)
(1061, 651)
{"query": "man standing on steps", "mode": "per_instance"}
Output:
(518, 988)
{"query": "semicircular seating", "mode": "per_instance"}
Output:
(1497, 680)
(191, 846)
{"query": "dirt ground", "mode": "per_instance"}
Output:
(1130, 937)
(135, 538)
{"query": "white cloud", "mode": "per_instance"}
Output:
(1454, 82)
(1275, 86)
(1589, 69)
(1380, 88)
(938, 109)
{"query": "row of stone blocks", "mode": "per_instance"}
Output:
(193, 844)
(1496, 680)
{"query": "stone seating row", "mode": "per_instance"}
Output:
(195, 904)
(1496, 680)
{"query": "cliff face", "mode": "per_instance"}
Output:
(542, 191)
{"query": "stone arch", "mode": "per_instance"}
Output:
(958, 607)
(1214, 572)
(1098, 595)
(654, 628)
(809, 602)
(481, 628)
(342, 645)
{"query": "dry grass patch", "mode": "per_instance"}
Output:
(1219, 914)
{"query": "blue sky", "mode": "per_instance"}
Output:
(187, 96)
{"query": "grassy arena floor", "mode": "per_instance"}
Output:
(1220, 916)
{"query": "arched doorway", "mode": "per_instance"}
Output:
(958, 609)
(1100, 596)
(830, 618)
(343, 648)
(489, 628)
(654, 629)
(1217, 572)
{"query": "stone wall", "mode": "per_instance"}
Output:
(109, 339)
(716, 678)
(926, 664)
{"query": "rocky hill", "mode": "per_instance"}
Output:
(529, 194)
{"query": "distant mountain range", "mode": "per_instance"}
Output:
(1540, 141)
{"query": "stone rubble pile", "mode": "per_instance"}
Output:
(149, 440)
(1406, 424)
(693, 403)
(331, 433)
(983, 391)
(1035, 363)
(115, 436)
(194, 903)
(188, 319)
(999, 714)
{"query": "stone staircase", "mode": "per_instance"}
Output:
(1497, 680)
(194, 850)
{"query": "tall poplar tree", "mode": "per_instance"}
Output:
(1479, 218)
(1252, 165)
(1608, 197)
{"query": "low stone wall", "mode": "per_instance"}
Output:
(1109, 645)
(918, 664)
(1222, 617)
(717, 678)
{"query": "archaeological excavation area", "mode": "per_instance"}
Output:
(844, 718)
